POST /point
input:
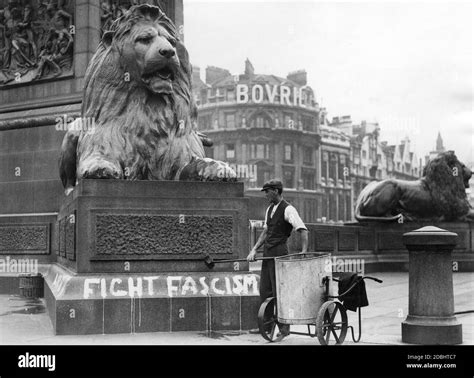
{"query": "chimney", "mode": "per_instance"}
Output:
(196, 74)
(249, 70)
(299, 77)
(215, 73)
(323, 116)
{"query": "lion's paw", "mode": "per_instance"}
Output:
(215, 170)
(101, 169)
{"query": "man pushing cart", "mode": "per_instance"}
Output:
(280, 220)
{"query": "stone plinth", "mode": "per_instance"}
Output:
(152, 226)
(431, 317)
(150, 302)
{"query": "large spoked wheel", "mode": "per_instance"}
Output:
(331, 323)
(268, 321)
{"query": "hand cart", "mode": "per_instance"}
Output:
(303, 285)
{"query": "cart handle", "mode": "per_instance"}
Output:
(353, 285)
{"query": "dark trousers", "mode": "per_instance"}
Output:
(268, 281)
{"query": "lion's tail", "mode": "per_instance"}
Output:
(67, 159)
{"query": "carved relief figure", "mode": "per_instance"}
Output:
(138, 92)
(29, 32)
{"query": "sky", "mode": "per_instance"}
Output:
(405, 64)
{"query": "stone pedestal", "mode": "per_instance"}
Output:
(131, 259)
(113, 303)
(431, 317)
(123, 226)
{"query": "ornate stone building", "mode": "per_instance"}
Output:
(266, 127)
(372, 159)
(335, 174)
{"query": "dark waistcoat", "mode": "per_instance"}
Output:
(278, 231)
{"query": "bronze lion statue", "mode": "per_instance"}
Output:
(440, 195)
(137, 92)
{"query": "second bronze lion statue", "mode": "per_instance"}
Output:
(137, 92)
(440, 195)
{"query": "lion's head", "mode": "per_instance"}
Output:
(140, 59)
(447, 179)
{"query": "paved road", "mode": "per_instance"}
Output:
(26, 322)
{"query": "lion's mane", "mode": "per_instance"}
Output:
(108, 96)
(106, 92)
(445, 177)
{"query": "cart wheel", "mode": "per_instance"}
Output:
(267, 320)
(331, 323)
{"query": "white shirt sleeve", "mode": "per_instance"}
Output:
(266, 216)
(293, 218)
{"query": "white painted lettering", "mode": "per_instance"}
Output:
(87, 288)
(238, 286)
(189, 284)
(103, 288)
(205, 286)
(171, 287)
(250, 280)
(214, 288)
(115, 292)
(132, 288)
(150, 283)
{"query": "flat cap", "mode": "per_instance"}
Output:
(272, 184)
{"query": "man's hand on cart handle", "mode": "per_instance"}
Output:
(252, 255)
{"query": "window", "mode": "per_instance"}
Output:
(231, 94)
(260, 122)
(364, 154)
(209, 152)
(263, 176)
(307, 123)
(289, 179)
(333, 166)
(288, 152)
(289, 123)
(230, 120)
(260, 151)
(308, 180)
(204, 122)
(308, 155)
(341, 212)
(325, 166)
(342, 166)
(230, 151)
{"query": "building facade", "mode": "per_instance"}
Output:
(375, 160)
(266, 127)
(335, 175)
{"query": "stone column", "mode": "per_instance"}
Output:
(431, 317)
